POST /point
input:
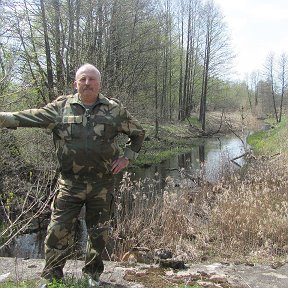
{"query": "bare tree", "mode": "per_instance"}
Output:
(47, 52)
(271, 77)
(283, 78)
(190, 33)
(216, 52)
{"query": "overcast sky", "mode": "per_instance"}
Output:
(257, 27)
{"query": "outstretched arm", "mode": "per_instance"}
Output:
(45, 117)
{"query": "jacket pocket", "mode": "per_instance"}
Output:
(73, 126)
(104, 128)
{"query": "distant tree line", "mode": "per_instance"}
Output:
(267, 90)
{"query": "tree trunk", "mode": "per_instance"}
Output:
(48, 53)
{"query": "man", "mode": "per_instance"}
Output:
(84, 126)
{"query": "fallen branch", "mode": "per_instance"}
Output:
(238, 157)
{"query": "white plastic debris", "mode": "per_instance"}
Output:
(3, 277)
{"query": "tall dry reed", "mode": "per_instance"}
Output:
(242, 216)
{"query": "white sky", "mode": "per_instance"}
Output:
(257, 27)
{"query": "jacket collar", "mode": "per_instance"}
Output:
(101, 100)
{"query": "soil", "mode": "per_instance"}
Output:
(136, 275)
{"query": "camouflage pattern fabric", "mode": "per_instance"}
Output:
(85, 146)
(72, 195)
(84, 140)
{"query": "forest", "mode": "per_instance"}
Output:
(163, 59)
(166, 60)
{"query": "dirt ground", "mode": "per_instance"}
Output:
(125, 275)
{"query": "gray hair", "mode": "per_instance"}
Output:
(89, 67)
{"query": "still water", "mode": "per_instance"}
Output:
(210, 158)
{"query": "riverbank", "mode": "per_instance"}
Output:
(176, 138)
(240, 219)
(271, 141)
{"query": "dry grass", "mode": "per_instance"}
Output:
(241, 217)
(249, 216)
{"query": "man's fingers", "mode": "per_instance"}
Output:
(119, 164)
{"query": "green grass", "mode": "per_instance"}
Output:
(24, 284)
(69, 283)
(194, 121)
(272, 141)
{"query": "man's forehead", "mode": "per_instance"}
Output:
(86, 72)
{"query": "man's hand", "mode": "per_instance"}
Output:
(119, 164)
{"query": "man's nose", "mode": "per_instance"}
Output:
(87, 81)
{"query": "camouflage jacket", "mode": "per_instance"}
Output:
(84, 139)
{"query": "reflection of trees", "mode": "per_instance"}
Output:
(201, 154)
(184, 160)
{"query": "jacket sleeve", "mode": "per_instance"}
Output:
(46, 117)
(131, 127)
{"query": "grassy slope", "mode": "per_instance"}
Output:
(272, 141)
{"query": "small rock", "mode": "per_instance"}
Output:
(250, 264)
(208, 284)
(163, 253)
(218, 279)
(277, 265)
(172, 263)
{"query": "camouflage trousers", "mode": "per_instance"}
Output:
(72, 195)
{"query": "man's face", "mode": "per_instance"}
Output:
(88, 83)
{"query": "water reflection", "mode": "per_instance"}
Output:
(210, 159)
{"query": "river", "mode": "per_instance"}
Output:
(210, 158)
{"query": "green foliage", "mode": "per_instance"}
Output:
(154, 157)
(22, 284)
(70, 283)
(172, 140)
(258, 140)
(140, 61)
(194, 120)
(227, 96)
(9, 200)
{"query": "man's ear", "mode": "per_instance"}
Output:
(75, 85)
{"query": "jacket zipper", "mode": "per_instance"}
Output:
(88, 116)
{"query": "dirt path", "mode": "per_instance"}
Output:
(151, 276)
